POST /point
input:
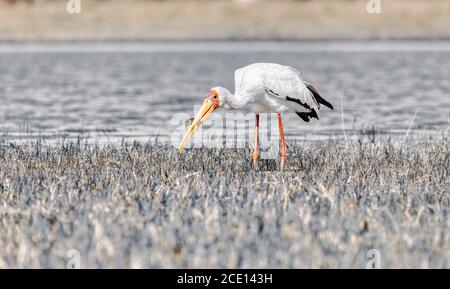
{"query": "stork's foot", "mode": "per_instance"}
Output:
(283, 148)
(282, 161)
(256, 149)
(255, 159)
(283, 154)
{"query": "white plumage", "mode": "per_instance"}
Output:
(263, 87)
(271, 87)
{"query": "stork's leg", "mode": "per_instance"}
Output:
(283, 143)
(256, 148)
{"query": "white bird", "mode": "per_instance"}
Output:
(259, 88)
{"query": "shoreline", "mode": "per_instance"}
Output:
(178, 46)
(214, 41)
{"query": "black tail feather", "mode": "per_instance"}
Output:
(306, 116)
(317, 96)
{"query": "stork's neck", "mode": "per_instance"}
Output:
(235, 101)
(229, 100)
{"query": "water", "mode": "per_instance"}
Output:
(132, 90)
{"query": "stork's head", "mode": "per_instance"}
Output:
(216, 97)
(222, 94)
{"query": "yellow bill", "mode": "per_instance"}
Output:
(206, 109)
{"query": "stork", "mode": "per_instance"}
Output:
(261, 88)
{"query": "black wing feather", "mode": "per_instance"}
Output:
(317, 96)
(306, 116)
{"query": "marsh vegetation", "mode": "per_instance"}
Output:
(145, 205)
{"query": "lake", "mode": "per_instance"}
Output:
(116, 91)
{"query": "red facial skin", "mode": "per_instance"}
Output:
(213, 96)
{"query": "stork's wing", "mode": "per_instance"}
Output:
(317, 95)
(281, 82)
(287, 84)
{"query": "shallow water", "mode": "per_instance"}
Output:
(132, 90)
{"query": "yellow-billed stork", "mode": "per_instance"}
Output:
(259, 88)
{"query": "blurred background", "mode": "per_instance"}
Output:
(48, 20)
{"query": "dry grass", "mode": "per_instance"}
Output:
(222, 19)
(144, 205)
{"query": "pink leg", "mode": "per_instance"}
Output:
(256, 148)
(283, 143)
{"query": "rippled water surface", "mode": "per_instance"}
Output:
(133, 90)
